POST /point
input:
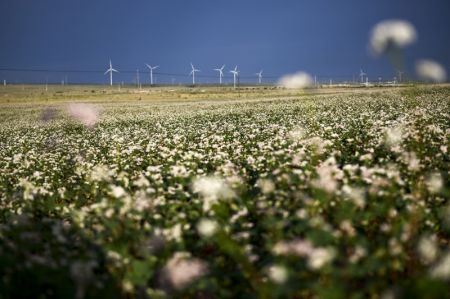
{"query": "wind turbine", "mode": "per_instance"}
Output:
(235, 73)
(220, 73)
(193, 73)
(362, 74)
(110, 71)
(151, 72)
(259, 76)
(400, 73)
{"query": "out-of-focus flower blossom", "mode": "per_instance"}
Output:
(442, 268)
(434, 183)
(294, 247)
(212, 189)
(320, 257)
(428, 249)
(328, 174)
(394, 136)
(181, 270)
(431, 71)
(356, 194)
(207, 227)
(117, 191)
(297, 134)
(87, 114)
(297, 80)
(391, 33)
(266, 185)
(277, 274)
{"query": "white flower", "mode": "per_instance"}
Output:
(431, 71)
(391, 33)
(277, 274)
(434, 183)
(394, 136)
(297, 134)
(347, 227)
(212, 189)
(356, 195)
(101, 173)
(87, 114)
(181, 270)
(442, 268)
(428, 248)
(266, 185)
(294, 247)
(297, 80)
(328, 173)
(207, 227)
(320, 257)
(117, 191)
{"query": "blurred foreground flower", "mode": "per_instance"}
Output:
(390, 34)
(277, 274)
(431, 71)
(181, 270)
(212, 189)
(297, 80)
(85, 113)
(207, 227)
(442, 268)
(428, 248)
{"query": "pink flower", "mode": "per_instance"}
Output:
(85, 113)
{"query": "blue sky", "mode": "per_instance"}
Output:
(326, 38)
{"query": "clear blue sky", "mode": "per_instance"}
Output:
(327, 38)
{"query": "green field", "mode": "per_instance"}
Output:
(222, 193)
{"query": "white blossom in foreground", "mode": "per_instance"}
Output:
(394, 136)
(181, 270)
(328, 173)
(294, 247)
(85, 113)
(442, 268)
(434, 183)
(297, 80)
(117, 191)
(428, 249)
(207, 227)
(277, 274)
(320, 257)
(297, 134)
(212, 189)
(430, 71)
(389, 33)
(266, 186)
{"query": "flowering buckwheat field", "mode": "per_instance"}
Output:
(312, 196)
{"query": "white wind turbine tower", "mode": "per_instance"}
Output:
(220, 73)
(259, 76)
(110, 71)
(400, 73)
(151, 72)
(362, 74)
(235, 73)
(193, 73)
